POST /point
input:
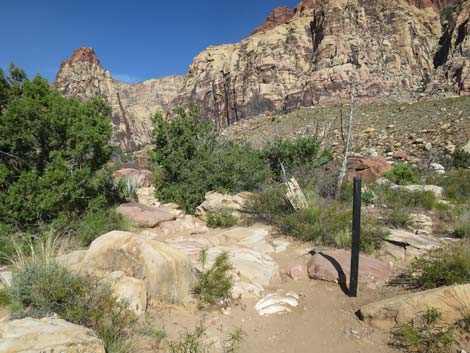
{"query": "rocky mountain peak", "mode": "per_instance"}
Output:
(83, 55)
(278, 16)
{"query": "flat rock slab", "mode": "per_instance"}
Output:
(144, 216)
(334, 266)
(47, 335)
(277, 303)
(408, 239)
(453, 302)
(436, 190)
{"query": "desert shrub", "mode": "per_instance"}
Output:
(5, 298)
(214, 283)
(462, 224)
(127, 189)
(41, 286)
(401, 174)
(269, 205)
(53, 151)
(442, 267)
(426, 334)
(302, 153)
(368, 197)
(194, 341)
(399, 199)
(96, 222)
(397, 217)
(222, 218)
(460, 159)
(193, 160)
(456, 184)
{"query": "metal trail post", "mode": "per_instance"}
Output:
(356, 237)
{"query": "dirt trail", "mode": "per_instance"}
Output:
(323, 322)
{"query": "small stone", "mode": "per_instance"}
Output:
(428, 146)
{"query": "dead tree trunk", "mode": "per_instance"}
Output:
(344, 165)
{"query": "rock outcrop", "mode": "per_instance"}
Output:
(307, 56)
(131, 105)
(47, 335)
(453, 302)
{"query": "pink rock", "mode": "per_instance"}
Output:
(334, 266)
(297, 272)
(142, 177)
(144, 216)
(369, 168)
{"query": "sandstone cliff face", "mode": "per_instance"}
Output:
(310, 55)
(386, 46)
(132, 105)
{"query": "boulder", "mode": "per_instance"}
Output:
(144, 216)
(466, 148)
(250, 237)
(166, 272)
(215, 201)
(437, 190)
(453, 302)
(72, 260)
(250, 267)
(334, 266)
(368, 168)
(142, 177)
(421, 223)
(129, 289)
(5, 278)
(184, 225)
(408, 239)
(146, 196)
(47, 335)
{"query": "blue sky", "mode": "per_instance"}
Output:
(135, 40)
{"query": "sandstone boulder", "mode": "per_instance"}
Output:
(166, 272)
(144, 216)
(436, 190)
(368, 168)
(142, 177)
(408, 239)
(215, 201)
(129, 289)
(47, 335)
(255, 270)
(334, 266)
(453, 302)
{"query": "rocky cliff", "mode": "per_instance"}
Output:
(313, 54)
(132, 105)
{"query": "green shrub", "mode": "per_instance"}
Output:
(5, 298)
(456, 184)
(40, 287)
(397, 217)
(368, 197)
(95, 223)
(443, 267)
(127, 189)
(399, 199)
(462, 224)
(214, 283)
(426, 334)
(293, 155)
(222, 218)
(193, 160)
(401, 174)
(195, 341)
(270, 205)
(53, 151)
(460, 159)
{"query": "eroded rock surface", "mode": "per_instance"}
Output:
(47, 335)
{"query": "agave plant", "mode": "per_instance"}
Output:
(127, 187)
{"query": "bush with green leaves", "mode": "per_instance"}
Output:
(426, 334)
(214, 283)
(96, 222)
(401, 174)
(460, 159)
(52, 152)
(398, 217)
(193, 159)
(294, 155)
(221, 218)
(456, 184)
(399, 199)
(5, 298)
(41, 286)
(442, 267)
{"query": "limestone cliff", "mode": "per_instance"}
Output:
(132, 105)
